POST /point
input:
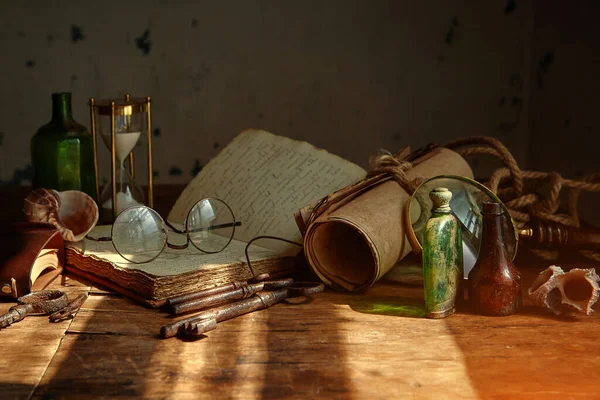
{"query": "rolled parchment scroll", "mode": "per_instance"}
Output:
(355, 235)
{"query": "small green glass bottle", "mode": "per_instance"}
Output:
(442, 257)
(62, 151)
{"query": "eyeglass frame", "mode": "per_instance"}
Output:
(170, 226)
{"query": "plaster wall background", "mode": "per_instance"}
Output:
(565, 53)
(564, 133)
(350, 76)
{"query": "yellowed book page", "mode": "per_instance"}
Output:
(265, 178)
(170, 261)
(46, 259)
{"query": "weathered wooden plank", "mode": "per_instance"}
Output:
(326, 348)
(28, 347)
(371, 345)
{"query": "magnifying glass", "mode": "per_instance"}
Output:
(466, 203)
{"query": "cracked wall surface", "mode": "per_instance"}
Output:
(349, 76)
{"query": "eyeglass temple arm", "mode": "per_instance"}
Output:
(210, 228)
(264, 237)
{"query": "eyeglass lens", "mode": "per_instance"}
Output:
(139, 234)
(210, 225)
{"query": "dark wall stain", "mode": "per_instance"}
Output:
(30, 63)
(260, 115)
(155, 173)
(50, 38)
(216, 145)
(73, 77)
(20, 176)
(511, 5)
(175, 171)
(194, 23)
(441, 58)
(156, 132)
(543, 66)
(143, 42)
(452, 33)
(76, 33)
(196, 168)
(1, 138)
(516, 81)
(512, 103)
(21, 34)
(397, 136)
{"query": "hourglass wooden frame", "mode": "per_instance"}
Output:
(114, 108)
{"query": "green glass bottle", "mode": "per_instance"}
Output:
(442, 257)
(62, 151)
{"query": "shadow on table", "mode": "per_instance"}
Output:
(16, 390)
(532, 353)
(115, 351)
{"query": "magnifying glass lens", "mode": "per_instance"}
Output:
(466, 203)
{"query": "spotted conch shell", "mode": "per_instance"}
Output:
(566, 293)
(72, 212)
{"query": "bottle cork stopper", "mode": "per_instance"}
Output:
(440, 197)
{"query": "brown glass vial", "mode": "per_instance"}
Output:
(494, 282)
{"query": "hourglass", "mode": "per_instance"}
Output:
(121, 123)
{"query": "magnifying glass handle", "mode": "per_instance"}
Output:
(554, 236)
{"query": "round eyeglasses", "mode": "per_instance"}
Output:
(139, 233)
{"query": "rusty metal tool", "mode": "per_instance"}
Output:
(70, 310)
(214, 290)
(245, 290)
(36, 303)
(207, 320)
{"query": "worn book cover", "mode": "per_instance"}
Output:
(31, 255)
(264, 178)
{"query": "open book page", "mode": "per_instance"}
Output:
(170, 261)
(265, 178)
(47, 258)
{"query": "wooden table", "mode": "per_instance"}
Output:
(337, 346)
(355, 346)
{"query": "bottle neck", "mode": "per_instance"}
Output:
(61, 107)
(492, 238)
(441, 210)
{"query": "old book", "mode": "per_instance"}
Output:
(264, 178)
(31, 256)
(45, 267)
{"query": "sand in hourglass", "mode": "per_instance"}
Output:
(124, 143)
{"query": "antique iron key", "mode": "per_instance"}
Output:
(40, 303)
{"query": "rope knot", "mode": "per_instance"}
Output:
(396, 166)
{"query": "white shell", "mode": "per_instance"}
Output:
(566, 293)
(72, 212)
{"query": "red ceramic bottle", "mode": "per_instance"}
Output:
(494, 282)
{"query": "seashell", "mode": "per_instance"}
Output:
(566, 293)
(72, 212)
